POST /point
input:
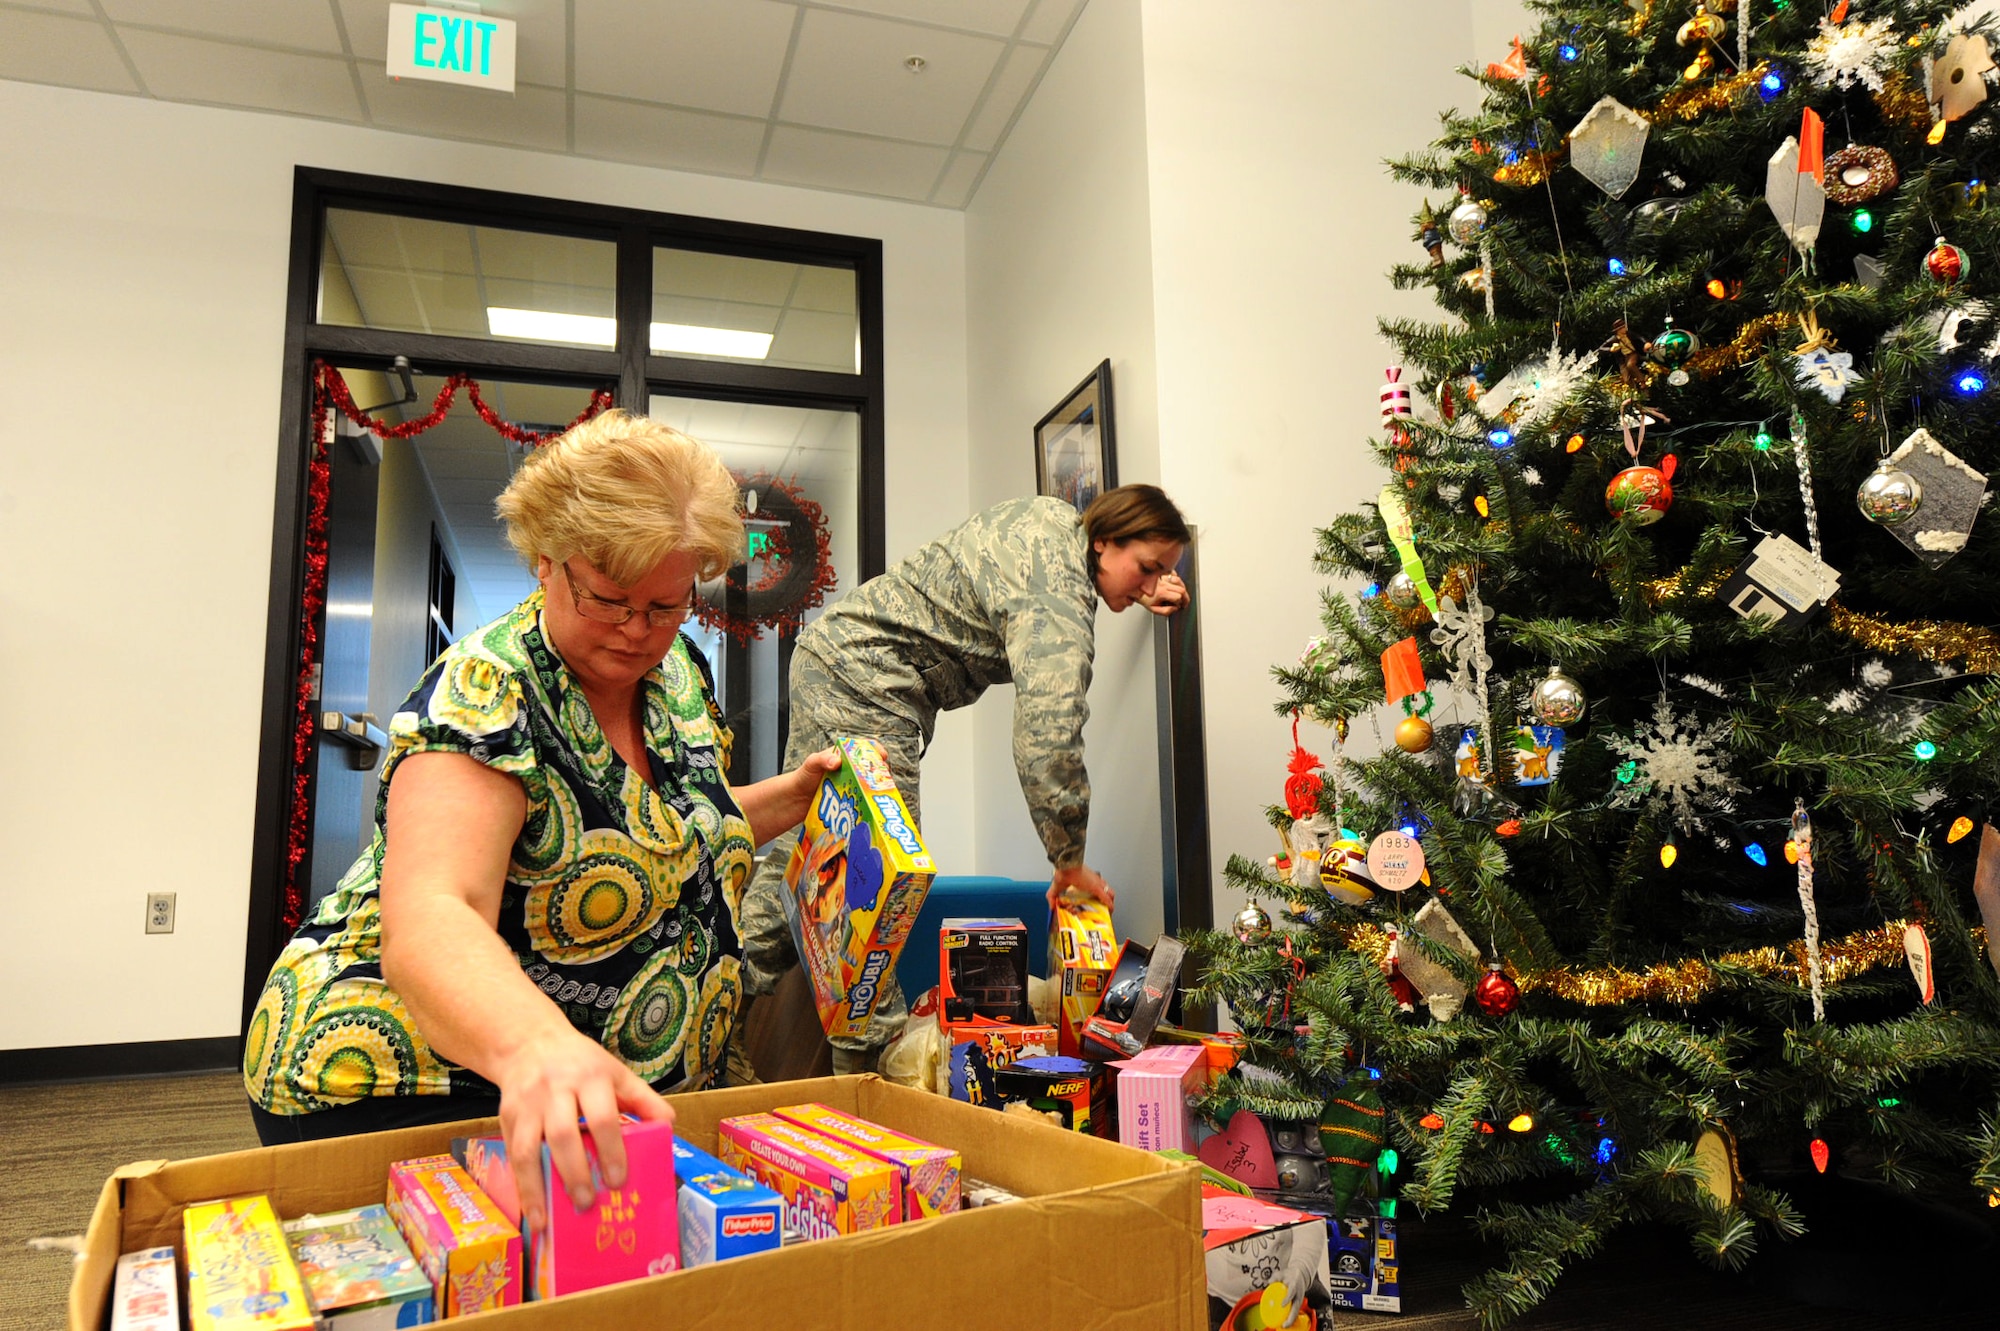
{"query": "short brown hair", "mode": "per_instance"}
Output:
(1135, 513)
(624, 492)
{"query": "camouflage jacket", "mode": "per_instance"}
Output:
(1006, 597)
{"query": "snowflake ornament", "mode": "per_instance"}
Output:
(1849, 53)
(1531, 476)
(1827, 370)
(1679, 768)
(1534, 392)
(1460, 636)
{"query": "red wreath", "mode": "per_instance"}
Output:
(797, 573)
(330, 391)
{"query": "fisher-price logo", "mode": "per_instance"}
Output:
(737, 1226)
(836, 811)
(862, 996)
(893, 824)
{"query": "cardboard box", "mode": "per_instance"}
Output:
(1251, 1244)
(856, 880)
(930, 1172)
(983, 971)
(1152, 1093)
(1075, 1191)
(1083, 945)
(724, 1212)
(359, 1273)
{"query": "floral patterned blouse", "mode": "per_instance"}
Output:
(620, 902)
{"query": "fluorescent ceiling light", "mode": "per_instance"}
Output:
(598, 331)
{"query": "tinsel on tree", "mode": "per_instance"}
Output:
(1676, 602)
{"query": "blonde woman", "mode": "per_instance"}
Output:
(545, 924)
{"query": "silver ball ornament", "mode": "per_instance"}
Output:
(1401, 591)
(1557, 700)
(1890, 495)
(1252, 924)
(1467, 221)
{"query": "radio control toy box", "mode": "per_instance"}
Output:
(1083, 946)
(856, 880)
(724, 1212)
(1365, 1271)
(983, 971)
(465, 1244)
(930, 1173)
(145, 1294)
(828, 1188)
(358, 1272)
(628, 1232)
(241, 1276)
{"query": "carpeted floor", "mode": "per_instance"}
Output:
(68, 1138)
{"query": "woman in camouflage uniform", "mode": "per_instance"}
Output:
(545, 925)
(1010, 596)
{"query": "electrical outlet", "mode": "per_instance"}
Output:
(160, 912)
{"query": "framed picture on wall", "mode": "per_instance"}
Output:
(1075, 456)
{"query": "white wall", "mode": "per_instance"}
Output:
(141, 324)
(1274, 224)
(1059, 275)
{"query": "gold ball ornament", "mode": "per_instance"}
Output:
(1413, 734)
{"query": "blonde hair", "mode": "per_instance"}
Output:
(624, 492)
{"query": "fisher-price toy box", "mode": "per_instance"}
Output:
(828, 1188)
(241, 1276)
(930, 1173)
(466, 1245)
(724, 1212)
(856, 881)
(1073, 1190)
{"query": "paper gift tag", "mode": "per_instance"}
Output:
(1917, 951)
(1538, 752)
(1242, 1150)
(1395, 861)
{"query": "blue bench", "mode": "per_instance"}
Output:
(985, 898)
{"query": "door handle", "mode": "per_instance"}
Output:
(357, 733)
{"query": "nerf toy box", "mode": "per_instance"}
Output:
(1264, 1262)
(1074, 1193)
(856, 880)
(983, 971)
(828, 1188)
(241, 1276)
(146, 1293)
(630, 1231)
(1070, 1092)
(1153, 1089)
(465, 1244)
(930, 1173)
(724, 1212)
(358, 1272)
(1082, 948)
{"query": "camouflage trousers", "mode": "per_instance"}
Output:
(825, 705)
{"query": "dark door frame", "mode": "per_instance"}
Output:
(635, 373)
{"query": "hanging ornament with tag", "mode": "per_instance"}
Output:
(1557, 700)
(1640, 494)
(1701, 32)
(1674, 348)
(1856, 174)
(1793, 188)
(1917, 951)
(1816, 363)
(1955, 82)
(1607, 144)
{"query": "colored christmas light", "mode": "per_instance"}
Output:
(1969, 383)
(1959, 828)
(1763, 440)
(1512, 827)
(1616, 267)
(1606, 1149)
(1372, 590)
(1791, 852)
(1924, 750)
(1863, 221)
(1500, 437)
(1568, 54)
(1387, 1161)
(1431, 1122)
(1821, 1153)
(1669, 853)
(1627, 772)
(1756, 854)
(1387, 1206)
(1575, 443)
(1772, 86)
(1521, 1123)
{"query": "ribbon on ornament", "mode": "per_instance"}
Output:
(1402, 535)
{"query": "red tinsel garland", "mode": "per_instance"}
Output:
(330, 390)
(790, 615)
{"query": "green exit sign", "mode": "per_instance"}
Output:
(451, 46)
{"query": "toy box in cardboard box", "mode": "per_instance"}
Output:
(856, 880)
(1075, 1191)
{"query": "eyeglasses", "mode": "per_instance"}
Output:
(596, 608)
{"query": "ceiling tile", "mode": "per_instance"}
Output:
(819, 340)
(1010, 88)
(531, 118)
(998, 18)
(828, 289)
(50, 48)
(1050, 20)
(707, 55)
(541, 51)
(306, 24)
(955, 189)
(843, 162)
(81, 7)
(848, 74)
(188, 69)
(666, 137)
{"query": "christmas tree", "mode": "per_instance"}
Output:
(1675, 599)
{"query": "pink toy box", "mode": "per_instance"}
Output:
(828, 1188)
(466, 1245)
(930, 1173)
(629, 1232)
(1152, 1096)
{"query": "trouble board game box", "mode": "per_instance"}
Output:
(358, 1272)
(856, 880)
(724, 1212)
(1074, 1193)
